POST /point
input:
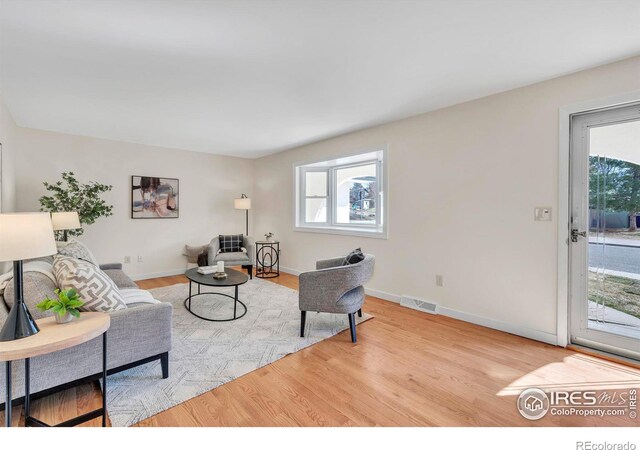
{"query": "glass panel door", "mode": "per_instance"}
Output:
(605, 248)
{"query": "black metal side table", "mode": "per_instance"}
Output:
(267, 259)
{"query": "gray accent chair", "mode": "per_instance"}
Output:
(246, 260)
(335, 288)
(138, 335)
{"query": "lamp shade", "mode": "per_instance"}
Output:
(65, 220)
(26, 236)
(242, 203)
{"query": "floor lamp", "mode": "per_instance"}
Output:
(23, 236)
(243, 202)
(63, 221)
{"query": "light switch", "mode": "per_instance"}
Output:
(542, 214)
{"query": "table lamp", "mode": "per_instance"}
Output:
(23, 236)
(63, 221)
(243, 202)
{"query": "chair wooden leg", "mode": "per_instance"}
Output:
(360, 312)
(352, 326)
(303, 320)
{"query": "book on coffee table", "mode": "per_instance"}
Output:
(207, 270)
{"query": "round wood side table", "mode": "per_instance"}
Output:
(52, 338)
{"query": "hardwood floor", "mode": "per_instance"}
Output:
(407, 369)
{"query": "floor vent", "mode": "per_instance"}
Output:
(420, 305)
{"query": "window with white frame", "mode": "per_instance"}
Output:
(344, 195)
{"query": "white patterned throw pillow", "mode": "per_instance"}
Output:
(76, 249)
(95, 288)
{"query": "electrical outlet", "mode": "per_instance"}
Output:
(127, 259)
(439, 280)
(139, 258)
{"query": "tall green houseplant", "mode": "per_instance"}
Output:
(70, 195)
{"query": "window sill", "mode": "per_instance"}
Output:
(375, 234)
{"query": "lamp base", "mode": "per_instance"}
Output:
(19, 323)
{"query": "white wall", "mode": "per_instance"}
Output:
(8, 140)
(208, 185)
(463, 183)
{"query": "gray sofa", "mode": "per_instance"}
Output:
(246, 260)
(138, 335)
(335, 288)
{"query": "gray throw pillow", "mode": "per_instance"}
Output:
(77, 250)
(192, 253)
(47, 259)
(4, 312)
(94, 287)
(36, 287)
(353, 258)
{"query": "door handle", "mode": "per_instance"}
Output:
(575, 233)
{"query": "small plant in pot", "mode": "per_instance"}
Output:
(65, 308)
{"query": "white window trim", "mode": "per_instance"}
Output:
(302, 201)
(378, 230)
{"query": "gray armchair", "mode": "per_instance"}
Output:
(334, 288)
(246, 260)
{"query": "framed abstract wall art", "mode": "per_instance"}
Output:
(154, 197)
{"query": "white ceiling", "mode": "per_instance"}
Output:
(248, 78)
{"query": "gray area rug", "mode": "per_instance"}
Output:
(206, 355)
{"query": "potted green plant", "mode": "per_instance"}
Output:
(71, 195)
(65, 307)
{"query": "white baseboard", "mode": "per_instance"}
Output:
(373, 292)
(383, 295)
(518, 330)
(290, 271)
(167, 273)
